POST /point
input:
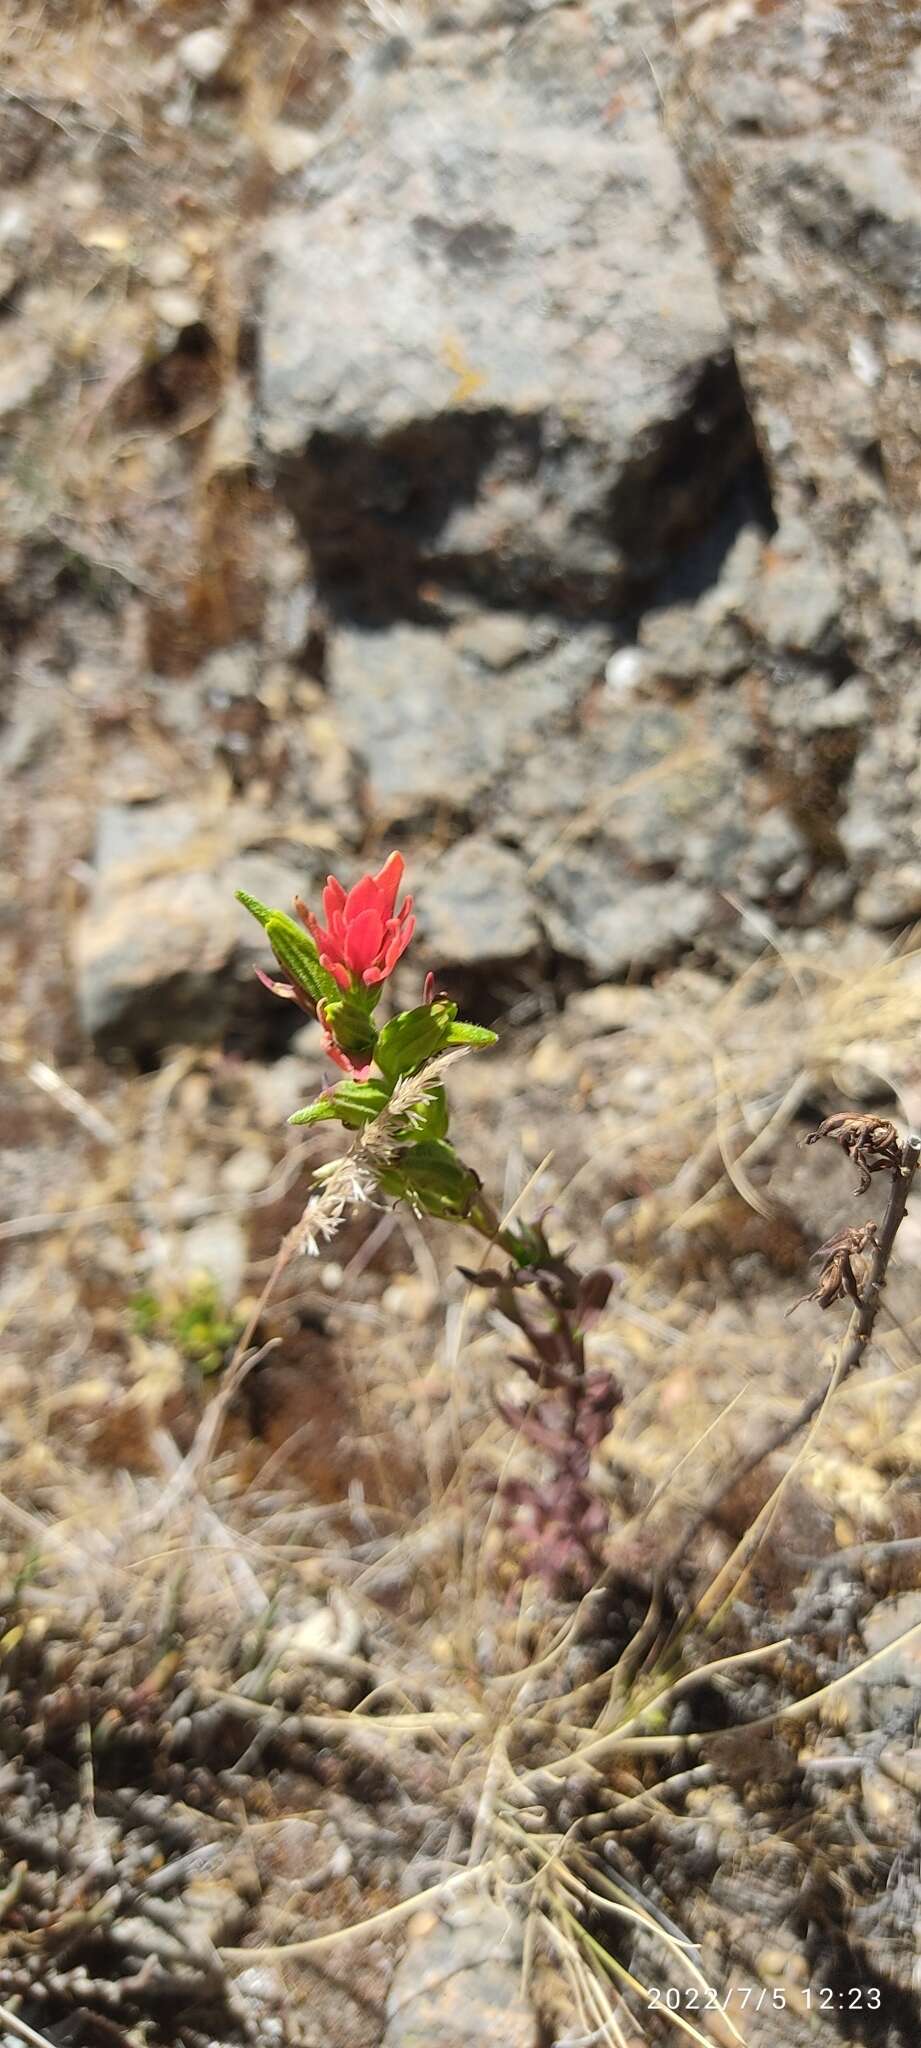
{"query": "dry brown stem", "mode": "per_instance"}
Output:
(857, 1337)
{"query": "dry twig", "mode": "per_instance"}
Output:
(871, 1141)
(857, 1337)
(838, 1277)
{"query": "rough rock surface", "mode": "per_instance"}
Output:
(436, 723)
(475, 905)
(619, 931)
(163, 953)
(799, 126)
(537, 396)
(459, 1984)
(587, 358)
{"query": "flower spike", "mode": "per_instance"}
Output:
(364, 935)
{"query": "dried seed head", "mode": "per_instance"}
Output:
(871, 1141)
(837, 1277)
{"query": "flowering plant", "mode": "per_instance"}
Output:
(392, 1087)
(337, 972)
(365, 937)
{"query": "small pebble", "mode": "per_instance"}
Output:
(167, 264)
(625, 670)
(204, 52)
(864, 361)
(175, 308)
(247, 1170)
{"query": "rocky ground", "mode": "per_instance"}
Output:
(492, 430)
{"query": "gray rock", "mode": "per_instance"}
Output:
(797, 600)
(777, 858)
(475, 906)
(229, 676)
(152, 963)
(828, 894)
(134, 839)
(648, 788)
(707, 641)
(497, 640)
(163, 955)
(432, 728)
(880, 824)
(814, 217)
(608, 776)
(216, 1247)
(891, 897)
(846, 709)
(884, 575)
(616, 927)
(687, 646)
(458, 1984)
(805, 704)
(858, 193)
(492, 341)
(29, 728)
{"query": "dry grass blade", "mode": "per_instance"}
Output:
(351, 1180)
(321, 1944)
(610, 1967)
(14, 2025)
(799, 1710)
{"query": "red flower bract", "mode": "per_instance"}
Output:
(364, 934)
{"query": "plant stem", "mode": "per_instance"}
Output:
(483, 1219)
(857, 1337)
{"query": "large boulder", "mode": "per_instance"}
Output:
(163, 953)
(475, 905)
(436, 720)
(575, 636)
(492, 347)
(799, 126)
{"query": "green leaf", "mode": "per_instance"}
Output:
(293, 948)
(202, 1328)
(432, 1178)
(351, 1026)
(260, 911)
(323, 1111)
(471, 1034)
(353, 1103)
(146, 1313)
(413, 1037)
(296, 953)
(430, 1118)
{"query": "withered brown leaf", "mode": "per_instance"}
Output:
(871, 1141)
(837, 1277)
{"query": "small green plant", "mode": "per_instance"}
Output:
(337, 972)
(147, 1313)
(394, 1100)
(199, 1325)
(393, 1097)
